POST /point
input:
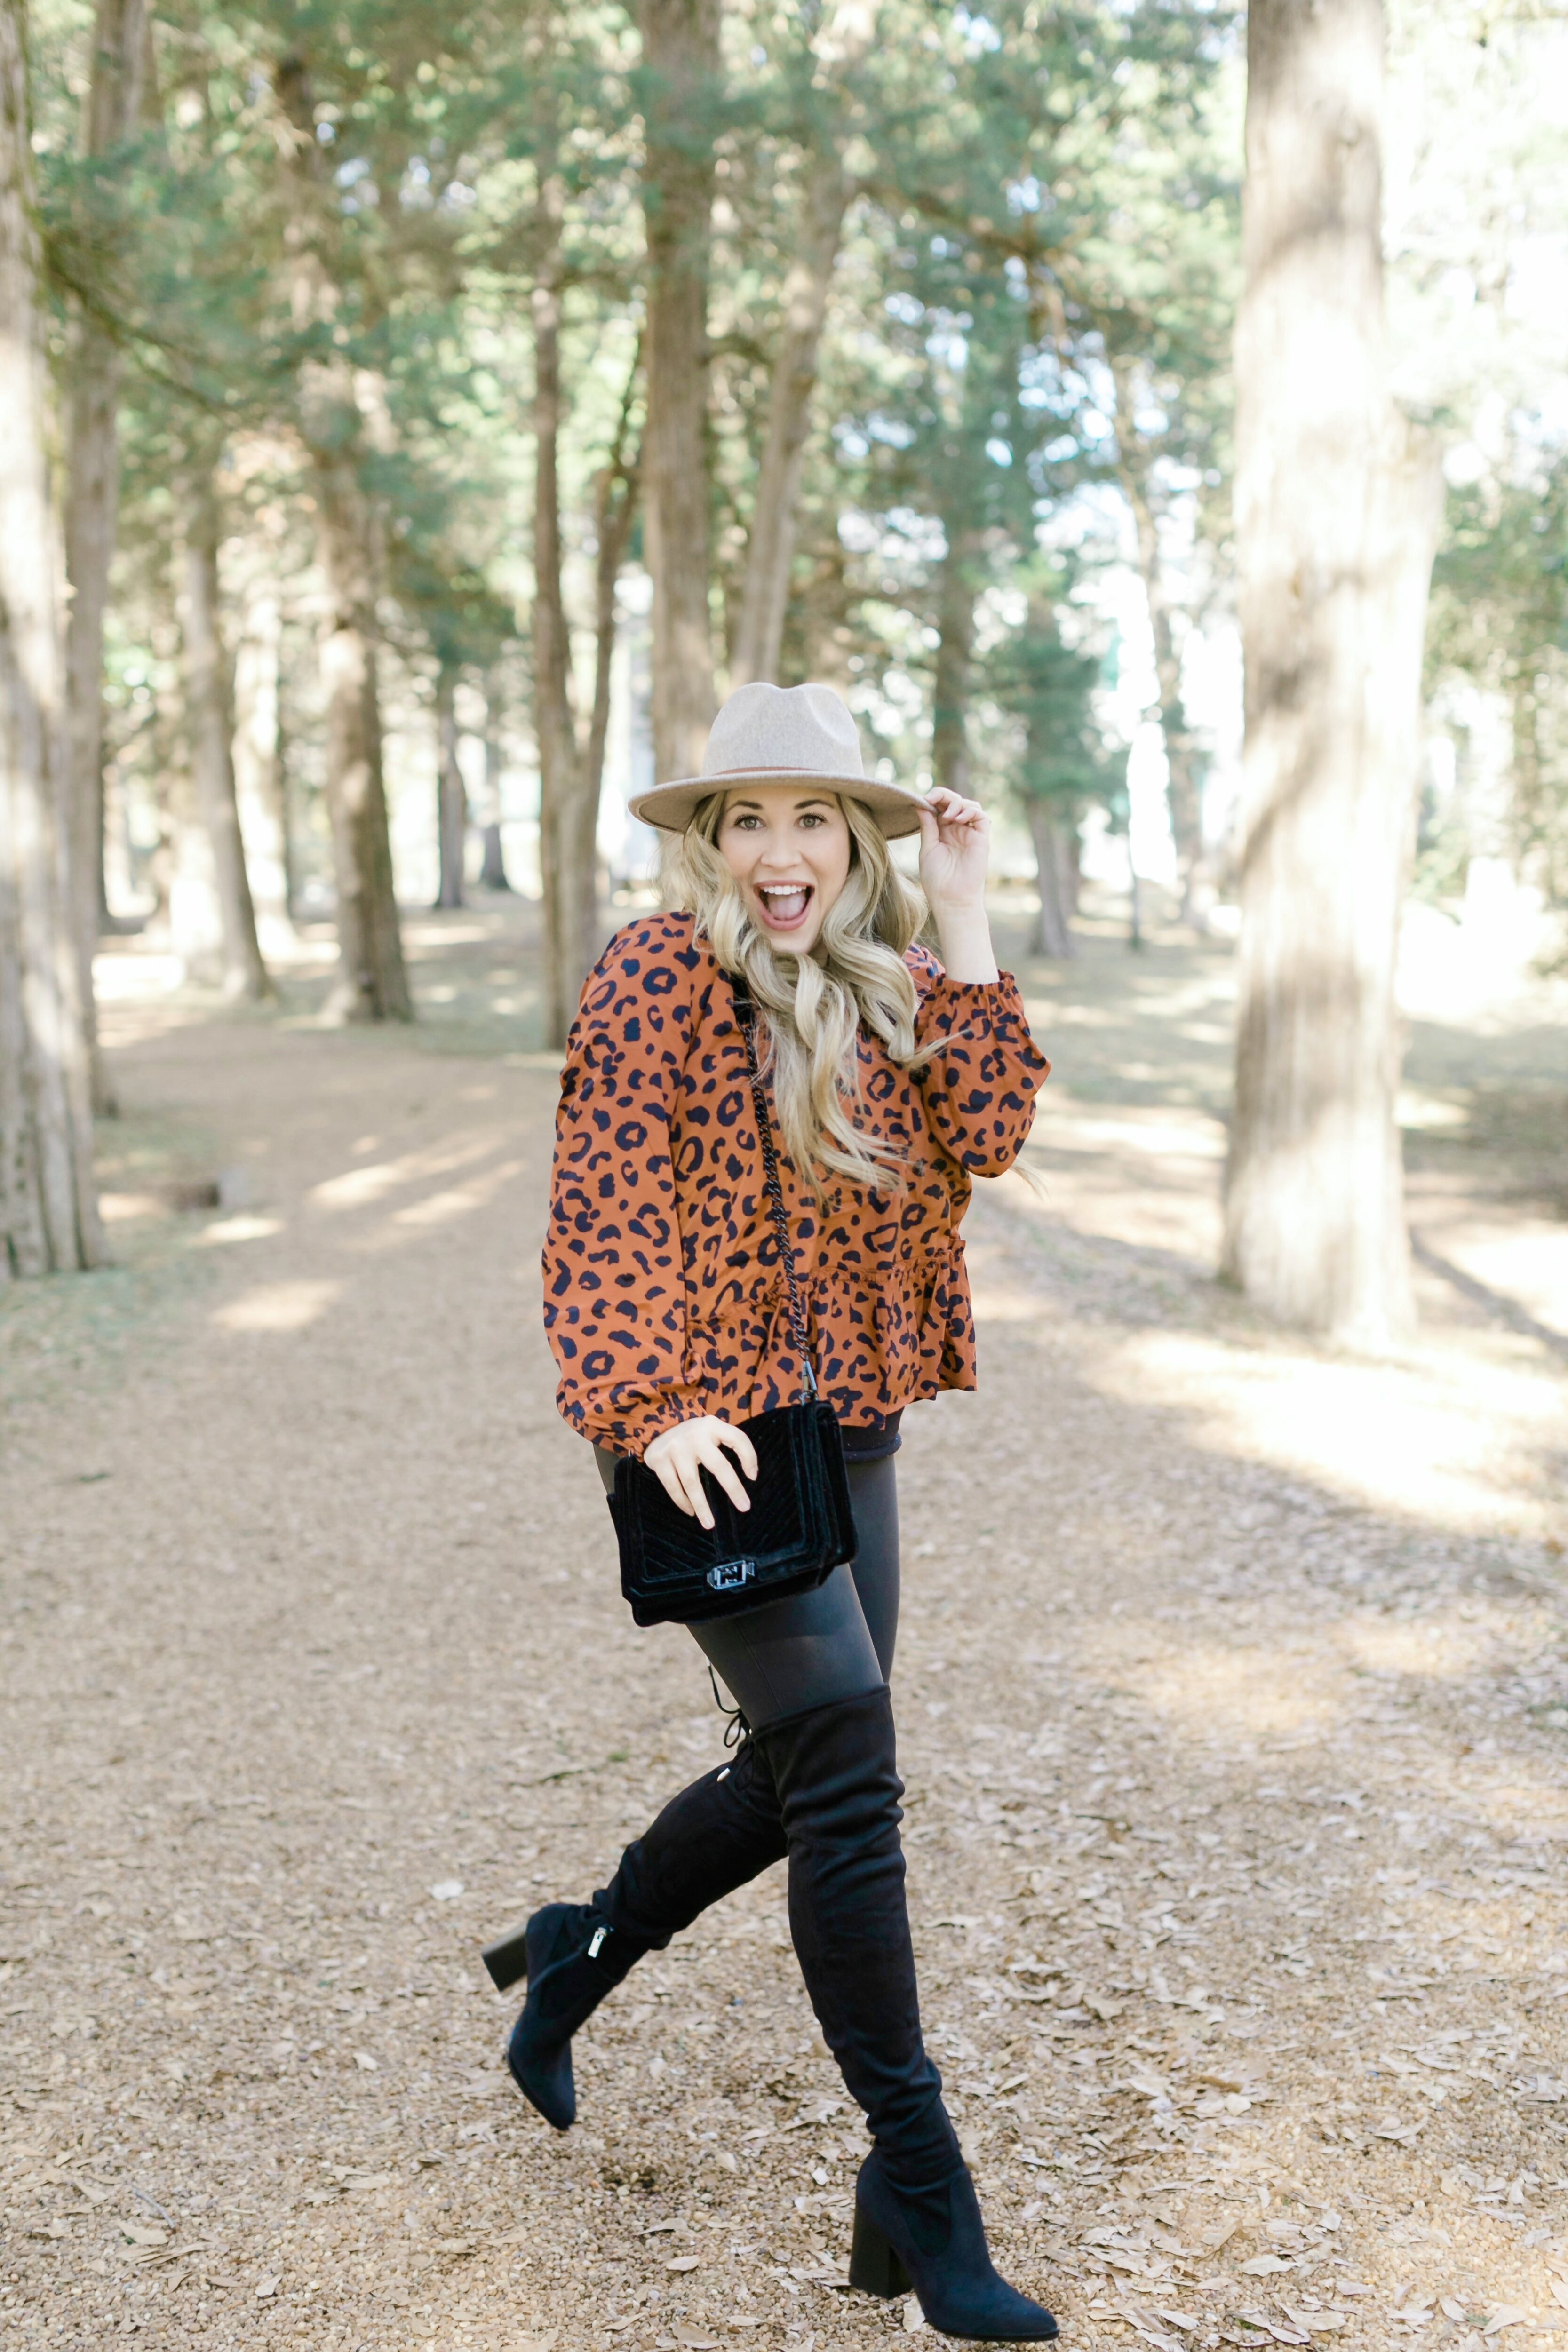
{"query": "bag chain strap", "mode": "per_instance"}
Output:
(746, 1014)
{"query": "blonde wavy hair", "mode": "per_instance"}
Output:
(812, 1006)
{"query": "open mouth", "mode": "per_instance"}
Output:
(784, 904)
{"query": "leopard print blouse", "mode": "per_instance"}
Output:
(664, 1297)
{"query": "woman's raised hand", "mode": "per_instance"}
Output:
(955, 847)
(679, 1456)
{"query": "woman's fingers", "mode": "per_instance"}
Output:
(691, 1480)
(678, 1457)
(717, 1463)
(740, 1447)
(956, 810)
(669, 1477)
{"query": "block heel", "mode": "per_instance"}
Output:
(874, 2264)
(506, 1960)
(927, 2239)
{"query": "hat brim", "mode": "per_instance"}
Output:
(671, 807)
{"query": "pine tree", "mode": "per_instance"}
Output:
(48, 1211)
(1338, 510)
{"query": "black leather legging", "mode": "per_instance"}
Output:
(815, 1647)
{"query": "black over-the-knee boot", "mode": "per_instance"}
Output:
(714, 1836)
(917, 2220)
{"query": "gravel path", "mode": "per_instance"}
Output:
(1234, 1705)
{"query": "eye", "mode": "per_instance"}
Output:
(813, 818)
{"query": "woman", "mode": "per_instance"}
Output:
(893, 1078)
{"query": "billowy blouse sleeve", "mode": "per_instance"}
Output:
(984, 1071)
(614, 1296)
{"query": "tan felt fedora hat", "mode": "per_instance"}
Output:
(781, 735)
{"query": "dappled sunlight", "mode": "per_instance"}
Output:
(458, 1200)
(1447, 1438)
(1003, 1305)
(362, 1188)
(1157, 1134)
(1208, 1687)
(237, 1229)
(1437, 1649)
(1284, 1812)
(1132, 1201)
(439, 937)
(126, 1208)
(1524, 1262)
(277, 1306)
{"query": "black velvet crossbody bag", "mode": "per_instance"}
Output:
(800, 1527)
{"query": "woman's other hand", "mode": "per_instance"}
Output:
(678, 1457)
(955, 850)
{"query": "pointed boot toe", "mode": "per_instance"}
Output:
(930, 2239)
(541, 2069)
(569, 1972)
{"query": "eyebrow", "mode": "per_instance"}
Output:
(811, 800)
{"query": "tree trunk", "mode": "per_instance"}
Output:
(209, 705)
(1336, 523)
(955, 625)
(1053, 929)
(554, 725)
(614, 507)
(372, 983)
(451, 793)
(48, 1211)
(680, 64)
(1182, 793)
(260, 787)
(92, 499)
(492, 865)
(569, 774)
(287, 800)
(760, 633)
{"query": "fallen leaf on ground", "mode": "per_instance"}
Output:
(1508, 2316)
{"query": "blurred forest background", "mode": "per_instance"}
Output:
(443, 408)
(413, 423)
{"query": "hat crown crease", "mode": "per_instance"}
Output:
(806, 729)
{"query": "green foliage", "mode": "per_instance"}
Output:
(1050, 690)
(1500, 618)
(1038, 193)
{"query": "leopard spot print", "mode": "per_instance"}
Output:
(664, 1296)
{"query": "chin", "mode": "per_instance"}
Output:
(789, 943)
